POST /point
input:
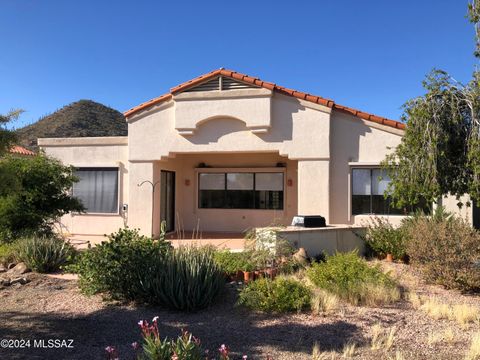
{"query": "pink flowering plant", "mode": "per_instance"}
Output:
(185, 347)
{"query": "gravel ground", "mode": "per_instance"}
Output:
(53, 308)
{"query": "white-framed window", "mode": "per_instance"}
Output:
(97, 189)
(241, 190)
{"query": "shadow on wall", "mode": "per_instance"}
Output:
(344, 148)
(212, 129)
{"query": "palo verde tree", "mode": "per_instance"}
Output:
(440, 151)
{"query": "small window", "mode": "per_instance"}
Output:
(368, 189)
(97, 189)
(241, 191)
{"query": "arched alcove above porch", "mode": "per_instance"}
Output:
(252, 106)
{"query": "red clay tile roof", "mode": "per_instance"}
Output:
(267, 85)
(20, 150)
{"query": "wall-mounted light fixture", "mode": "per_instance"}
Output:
(187, 182)
(289, 182)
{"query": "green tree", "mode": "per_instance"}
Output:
(7, 137)
(440, 151)
(37, 198)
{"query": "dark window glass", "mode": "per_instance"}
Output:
(241, 191)
(211, 199)
(272, 200)
(361, 204)
(240, 199)
(368, 189)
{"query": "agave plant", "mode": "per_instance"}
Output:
(44, 253)
(187, 279)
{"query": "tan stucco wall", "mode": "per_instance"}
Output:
(355, 142)
(297, 131)
(92, 152)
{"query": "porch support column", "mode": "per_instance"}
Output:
(313, 187)
(140, 197)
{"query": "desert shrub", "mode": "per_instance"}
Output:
(279, 295)
(7, 253)
(351, 278)
(447, 250)
(187, 278)
(118, 266)
(231, 262)
(383, 238)
(43, 254)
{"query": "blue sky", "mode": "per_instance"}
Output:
(370, 55)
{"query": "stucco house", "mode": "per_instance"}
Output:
(228, 152)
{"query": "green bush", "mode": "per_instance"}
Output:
(447, 250)
(188, 278)
(231, 262)
(35, 195)
(279, 295)
(383, 238)
(43, 254)
(7, 254)
(352, 279)
(118, 266)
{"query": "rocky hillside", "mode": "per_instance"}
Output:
(79, 119)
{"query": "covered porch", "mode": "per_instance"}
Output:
(221, 196)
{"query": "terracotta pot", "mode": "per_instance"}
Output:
(248, 276)
(389, 257)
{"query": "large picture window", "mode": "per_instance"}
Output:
(240, 190)
(368, 189)
(97, 189)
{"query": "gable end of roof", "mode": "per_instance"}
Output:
(267, 85)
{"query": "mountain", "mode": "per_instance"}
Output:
(79, 119)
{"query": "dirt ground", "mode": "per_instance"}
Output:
(53, 308)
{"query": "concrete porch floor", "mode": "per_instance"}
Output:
(228, 240)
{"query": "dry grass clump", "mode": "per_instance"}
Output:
(382, 339)
(318, 354)
(436, 310)
(474, 350)
(375, 295)
(324, 302)
(398, 356)
(463, 314)
(348, 351)
(447, 336)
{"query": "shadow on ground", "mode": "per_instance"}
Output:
(243, 331)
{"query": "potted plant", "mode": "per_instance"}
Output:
(248, 271)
